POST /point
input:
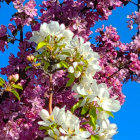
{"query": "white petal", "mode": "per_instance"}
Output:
(44, 30)
(45, 123)
(71, 69)
(62, 131)
(50, 132)
(84, 134)
(75, 64)
(44, 114)
(48, 138)
(77, 74)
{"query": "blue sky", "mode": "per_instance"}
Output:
(127, 118)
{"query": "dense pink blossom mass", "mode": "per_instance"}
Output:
(29, 82)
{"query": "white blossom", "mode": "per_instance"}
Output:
(105, 101)
(87, 54)
(106, 130)
(102, 115)
(53, 29)
(68, 125)
(72, 69)
(94, 92)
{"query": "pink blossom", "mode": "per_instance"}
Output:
(30, 8)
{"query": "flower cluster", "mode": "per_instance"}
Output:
(78, 15)
(56, 42)
(62, 125)
(133, 19)
(25, 14)
(76, 57)
(3, 38)
(55, 67)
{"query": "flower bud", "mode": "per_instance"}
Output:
(13, 78)
(30, 58)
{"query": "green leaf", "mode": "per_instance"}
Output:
(85, 122)
(64, 64)
(95, 137)
(93, 117)
(16, 94)
(92, 122)
(28, 67)
(84, 110)
(92, 112)
(17, 86)
(42, 128)
(46, 65)
(85, 61)
(100, 109)
(62, 46)
(41, 44)
(110, 114)
(2, 82)
(79, 68)
(76, 106)
(71, 80)
(66, 53)
(48, 38)
(62, 38)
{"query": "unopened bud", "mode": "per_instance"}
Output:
(30, 58)
(13, 78)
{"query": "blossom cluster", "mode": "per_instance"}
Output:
(64, 125)
(59, 46)
(78, 15)
(133, 19)
(25, 14)
(82, 63)
(3, 37)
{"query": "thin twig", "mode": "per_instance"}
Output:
(133, 3)
(51, 94)
(138, 11)
(21, 34)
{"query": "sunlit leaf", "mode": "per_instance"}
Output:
(17, 86)
(79, 68)
(95, 137)
(84, 110)
(76, 106)
(66, 53)
(93, 117)
(41, 44)
(64, 64)
(15, 93)
(2, 82)
(71, 80)
(47, 38)
(110, 114)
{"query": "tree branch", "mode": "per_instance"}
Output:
(21, 34)
(51, 94)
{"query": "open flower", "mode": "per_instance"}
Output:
(89, 89)
(106, 130)
(53, 29)
(67, 125)
(55, 117)
(73, 69)
(103, 99)
(86, 54)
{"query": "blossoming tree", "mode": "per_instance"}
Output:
(60, 86)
